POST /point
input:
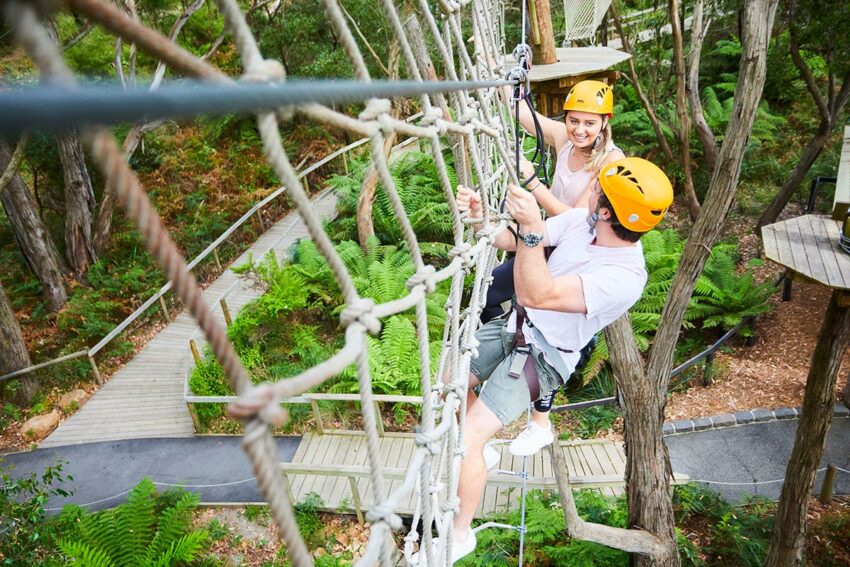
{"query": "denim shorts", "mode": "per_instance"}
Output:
(505, 396)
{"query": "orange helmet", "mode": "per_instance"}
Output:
(639, 192)
(591, 96)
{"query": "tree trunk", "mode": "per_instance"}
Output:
(365, 226)
(13, 350)
(810, 154)
(789, 527)
(79, 205)
(644, 101)
(648, 469)
(36, 244)
(542, 34)
(704, 133)
(426, 68)
(684, 131)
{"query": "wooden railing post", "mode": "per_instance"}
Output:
(164, 308)
(216, 259)
(193, 413)
(828, 483)
(708, 371)
(98, 378)
(288, 487)
(195, 354)
(320, 427)
(355, 496)
(226, 311)
(379, 421)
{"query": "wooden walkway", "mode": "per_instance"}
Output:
(335, 467)
(145, 397)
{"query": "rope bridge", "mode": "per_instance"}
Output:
(481, 129)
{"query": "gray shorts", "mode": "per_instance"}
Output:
(505, 396)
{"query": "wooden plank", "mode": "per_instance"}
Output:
(798, 250)
(786, 258)
(336, 454)
(817, 270)
(340, 490)
(827, 251)
(305, 456)
(842, 259)
(842, 184)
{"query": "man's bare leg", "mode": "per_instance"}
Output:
(481, 425)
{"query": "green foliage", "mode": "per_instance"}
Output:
(310, 524)
(135, 533)
(418, 184)
(28, 538)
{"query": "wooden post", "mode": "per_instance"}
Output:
(320, 427)
(196, 421)
(216, 259)
(708, 371)
(355, 496)
(828, 482)
(227, 319)
(379, 421)
(164, 308)
(195, 354)
(345, 163)
(288, 487)
(543, 36)
(98, 378)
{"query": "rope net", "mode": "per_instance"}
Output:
(582, 17)
(479, 128)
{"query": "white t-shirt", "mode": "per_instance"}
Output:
(612, 280)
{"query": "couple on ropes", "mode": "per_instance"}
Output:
(599, 205)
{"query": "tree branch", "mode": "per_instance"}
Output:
(805, 72)
(699, 32)
(79, 37)
(14, 162)
(365, 41)
(632, 541)
(647, 107)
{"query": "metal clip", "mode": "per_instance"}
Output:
(518, 362)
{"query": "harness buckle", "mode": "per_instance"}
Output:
(518, 363)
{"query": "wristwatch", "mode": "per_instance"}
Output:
(532, 239)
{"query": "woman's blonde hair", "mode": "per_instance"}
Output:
(602, 148)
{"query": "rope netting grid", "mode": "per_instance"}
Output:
(480, 123)
(582, 17)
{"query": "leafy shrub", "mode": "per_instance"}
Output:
(28, 538)
(135, 533)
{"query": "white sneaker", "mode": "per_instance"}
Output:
(460, 549)
(491, 457)
(531, 439)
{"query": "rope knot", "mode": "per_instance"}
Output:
(424, 276)
(375, 107)
(431, 116)
(464, 252)
(360, 311)
(470, 346)
(428, 441)
(384, 513)
(266, 70)
(259, 401)
(449, 6)
(451, 505)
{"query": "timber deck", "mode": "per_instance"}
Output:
(332, 466)
(145, 397)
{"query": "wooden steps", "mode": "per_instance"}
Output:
(145, 397)
(331, 465)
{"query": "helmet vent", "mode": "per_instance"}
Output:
(656, 212)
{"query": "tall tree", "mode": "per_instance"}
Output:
(644, 391)
(79, 196)
(13, 349)
(817, 33)
(699, 29)
(35, 241)
(542, 33)
(789, 527)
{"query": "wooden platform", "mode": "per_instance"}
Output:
(808, 246)
(332, 465)
(145, 397)
(842, 185)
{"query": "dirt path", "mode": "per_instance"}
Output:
(773, 372)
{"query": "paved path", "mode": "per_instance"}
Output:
(754, 453)
(216, 467)
(213, 466)
(145, 398)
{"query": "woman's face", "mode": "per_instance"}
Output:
(583, 128)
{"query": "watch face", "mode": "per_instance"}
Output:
(532, 239)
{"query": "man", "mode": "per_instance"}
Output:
(594, 275)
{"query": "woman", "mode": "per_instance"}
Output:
(583, 144)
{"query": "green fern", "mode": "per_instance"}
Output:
(134, 534)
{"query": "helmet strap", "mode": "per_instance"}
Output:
(593, 219)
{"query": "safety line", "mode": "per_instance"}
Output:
(57, 109)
